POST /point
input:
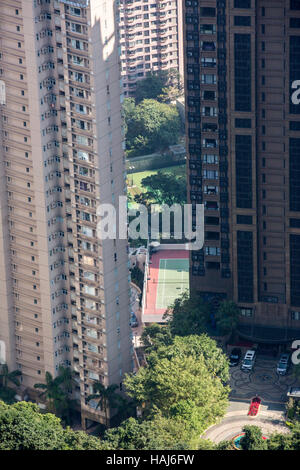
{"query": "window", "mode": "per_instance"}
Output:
(243, 123)
(245, 266)
(242, 3)
(207, 12)
(243, 154)
(242, 21)
(244, 219)
(246, 312)
(242, 72)
(295, 5)
(294, 22)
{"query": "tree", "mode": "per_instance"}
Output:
(150, 126)
(106, 397)
(227, 317)
(51, 391)
(179, 383)
(23, 427)
(188, 315)
(164, 85)
(165, 188)
(197, 346)
(253, 439)
(158, 433)
(57, 393)
(152, 86)
(137, 276)
(155, 336)
(6, 376)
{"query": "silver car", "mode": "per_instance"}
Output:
(283, 364)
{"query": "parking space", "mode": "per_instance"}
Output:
(263, 381)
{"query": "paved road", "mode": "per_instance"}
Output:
(271, 418)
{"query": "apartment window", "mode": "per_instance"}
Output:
(295, 223)
(242, 3)
(18, 28)
(19, 44)
(295, 5)
(243, 154)
(207, 12)
(294, 179)
(246, 312)
(17, 12)
(295, 269)
(294, 22)
(21, 78)
(242, 21)
(294, 67)
(242, 71)
(295, 315)
(244, 219)
(243, 123)
(245, 266)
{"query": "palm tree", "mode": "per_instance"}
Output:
(6, 376)
(66, 378)
(56, 391)
(106, 396)
(51, 391)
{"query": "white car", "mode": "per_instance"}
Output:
(248, 361)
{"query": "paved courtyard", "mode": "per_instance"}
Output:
(262, 381)
(269, 386)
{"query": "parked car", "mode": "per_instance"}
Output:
(283, 364)
(248, 361)
(133, 320)
(235, 357)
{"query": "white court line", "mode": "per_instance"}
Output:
(164, 298)
(161, 303)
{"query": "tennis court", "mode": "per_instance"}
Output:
(173, 279)
(168, 277)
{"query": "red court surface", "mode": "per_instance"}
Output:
(150, 311)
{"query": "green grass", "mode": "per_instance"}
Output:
(135, 179)
(173, 279)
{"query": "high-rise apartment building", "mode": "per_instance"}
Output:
(151, 39)
(242, 59)
(64, 292)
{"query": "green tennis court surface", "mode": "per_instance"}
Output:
(173, 279)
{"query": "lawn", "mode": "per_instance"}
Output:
(135, 179)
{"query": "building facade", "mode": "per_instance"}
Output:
(64, 292)
(242, 59)
(151, 39)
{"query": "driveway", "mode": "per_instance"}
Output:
(262, 381)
